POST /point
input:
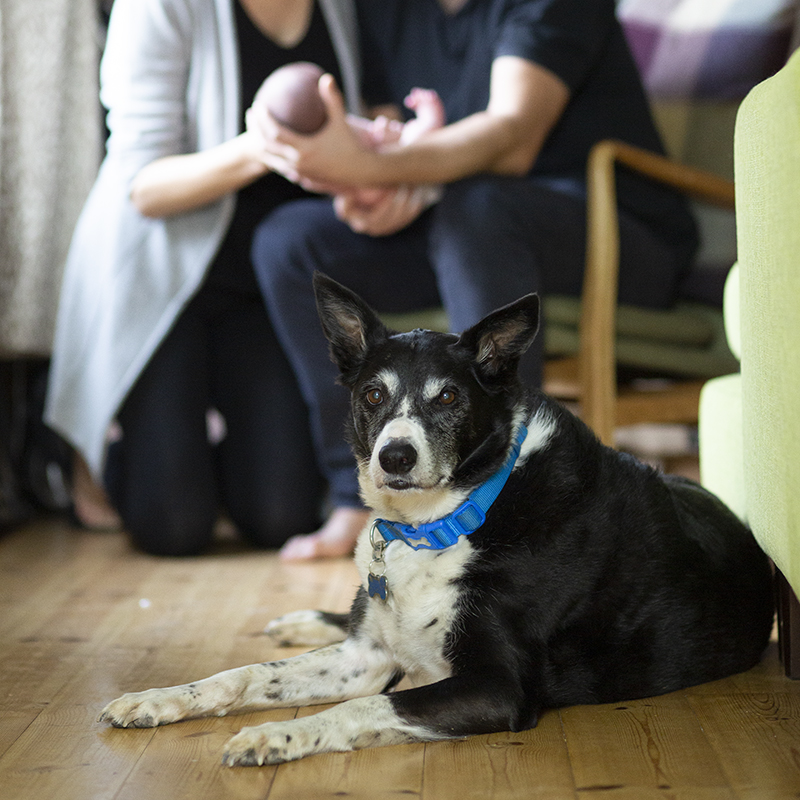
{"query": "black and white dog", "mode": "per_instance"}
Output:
(515, 563)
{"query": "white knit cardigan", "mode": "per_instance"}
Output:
(170, 79)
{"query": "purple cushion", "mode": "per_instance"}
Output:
(713, 50)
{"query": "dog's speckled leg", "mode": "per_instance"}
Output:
(363, 722)
(328, 675)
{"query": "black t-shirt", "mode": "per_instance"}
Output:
(258, 57)
(408, 43)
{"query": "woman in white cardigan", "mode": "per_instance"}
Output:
(160, 319)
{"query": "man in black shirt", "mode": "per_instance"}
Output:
(528, 86)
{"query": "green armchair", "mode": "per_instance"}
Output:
(750, 422)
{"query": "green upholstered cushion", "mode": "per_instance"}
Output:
(720, 418)
(720, 433)
(432, 319)
(732, 311)
(687, 340)
(683, 324)
(767, 161)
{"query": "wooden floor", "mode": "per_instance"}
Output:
(83, 619)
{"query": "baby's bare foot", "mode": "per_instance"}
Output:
(430, 115)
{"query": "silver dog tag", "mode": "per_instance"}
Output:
(377, 585)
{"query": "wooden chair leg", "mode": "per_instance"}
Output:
(788, 626)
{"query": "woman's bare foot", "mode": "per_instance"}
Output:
(337, 537)
(90, 503)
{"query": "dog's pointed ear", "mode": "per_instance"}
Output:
(500, 339)
(349, 324)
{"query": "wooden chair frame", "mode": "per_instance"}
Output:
(591, 376)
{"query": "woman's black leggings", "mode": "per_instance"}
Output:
(167, 480)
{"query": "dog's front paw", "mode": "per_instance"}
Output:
(145, 709)
(268, 744)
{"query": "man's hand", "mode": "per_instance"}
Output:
(384, 211)
(333, 157)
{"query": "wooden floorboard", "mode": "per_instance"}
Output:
(83, 619)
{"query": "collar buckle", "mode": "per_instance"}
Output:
(440, 533)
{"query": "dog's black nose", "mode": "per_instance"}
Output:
(397, 456)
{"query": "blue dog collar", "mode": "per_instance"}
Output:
(466, 519)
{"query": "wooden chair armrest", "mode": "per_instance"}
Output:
(695, 182)
(597, 365)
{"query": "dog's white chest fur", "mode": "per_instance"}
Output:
(421, 605)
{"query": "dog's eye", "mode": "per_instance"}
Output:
(374, 397)
(447, 397)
